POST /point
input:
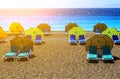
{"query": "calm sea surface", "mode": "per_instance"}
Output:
(59, 18)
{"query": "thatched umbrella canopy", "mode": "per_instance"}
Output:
(99, 40)
(77, 31)
(69, 26)
(111, 31)
(2, 33)
(100, 27)
(33, 32)
(44, 27)
(21, 42)
(16, 28)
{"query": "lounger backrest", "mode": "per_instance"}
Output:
(26, 49)
(72, 37)
(14, 48)
(38, 37)
(29, 37)
(106, 50)
(92, 49)
(115, 37)
(81, 37)
(97, 31)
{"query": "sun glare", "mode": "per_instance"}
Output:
(27, 3)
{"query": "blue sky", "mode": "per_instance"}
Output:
(59, 3)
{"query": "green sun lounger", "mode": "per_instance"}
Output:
(25, 53)
(92, 53)
(12, 53)
(106, 53)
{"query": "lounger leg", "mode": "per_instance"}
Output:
(28, 57)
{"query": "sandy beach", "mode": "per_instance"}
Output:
(55, 58)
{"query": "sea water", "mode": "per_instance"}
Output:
(59, 18)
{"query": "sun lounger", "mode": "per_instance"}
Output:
(106, 53)
(92, 53)
(29, 37)
(72, 39)
(97, 31)
(46, 32)
(82, 39)
(25, 53)
(38, 39)
(116, 39)
(12, 53)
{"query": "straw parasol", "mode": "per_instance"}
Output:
(100, 27)
(16, 28)
(44, 27)
(2, 33)
(69, 26)
(111, 31)
(21, 42)
(33, 32)
(77, 31)
(99, 40)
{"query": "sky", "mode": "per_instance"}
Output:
(59, 3)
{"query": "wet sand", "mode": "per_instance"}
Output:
(55, 58)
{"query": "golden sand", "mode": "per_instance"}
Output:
(55, 58)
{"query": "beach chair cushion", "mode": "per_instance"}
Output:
(23, 54)
(92, 56)
(116, 39)
(107, 55)
(92, 53)
(10, 54)
(82, 39)
(38, 39)
(72, 39)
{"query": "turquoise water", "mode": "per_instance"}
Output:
(59, 18)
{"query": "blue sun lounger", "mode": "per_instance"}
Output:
(92, 53)
(38, 39)
(72, 39)
(106, 53)
(116, 39)
(12, 53)
(25, 53)
(82, 39)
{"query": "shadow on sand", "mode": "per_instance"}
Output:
(40, 43)
(20, 60)
(25, 59)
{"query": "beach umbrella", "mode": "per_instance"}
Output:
(77, 31)
(111, 31)
(99, 41)
(44, 27)
(21, 42)
(33, 32)
(16, 28)
(69, 26)
(3, 34)
(100, 27)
